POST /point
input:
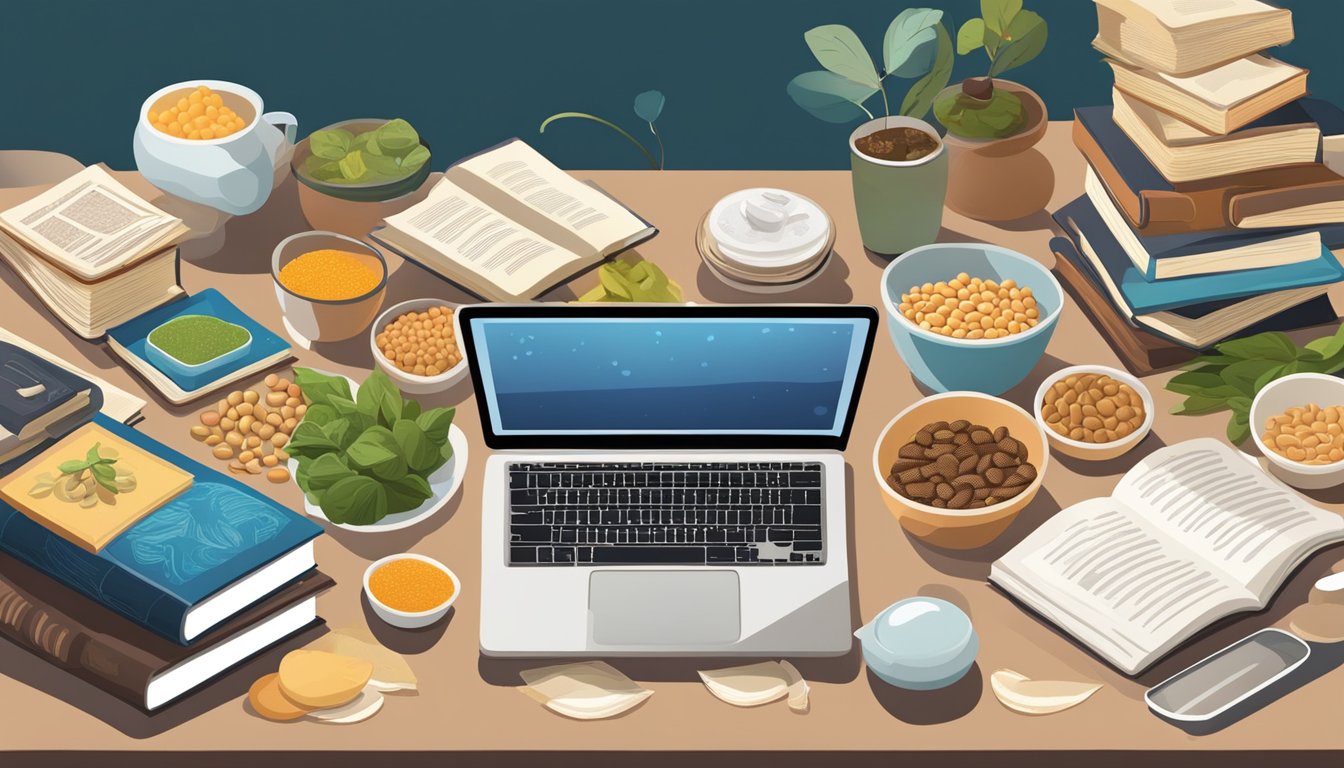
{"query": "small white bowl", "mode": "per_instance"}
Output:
(1095, 451)
(1294, 391)
(406, 619)
(409, 382)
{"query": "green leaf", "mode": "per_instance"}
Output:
(410, 409)
(435, 422)
(353, 167)
(310, 440)
(1244, 374)
(397, 137)
(72, 467)
(320, 414)
(1266, 346)
(999, 14)
(330, 145)
(344, 429)
(970, 36)
(415, 445)
(315, 476)
(103, 471)
(1210, 362)
(407, 493)
(649, 105)
(1239, 427)
(838, 49)
(1003, 115)
(830, 97)
(1328, 346)
(1194, 380)
(380, 398)
(920, 97)
(414, 159)
(1196, 405)
(320, 387)
(1274, 373)
(376, 451)
(910, 43)
(1022, 41)
(355, 500)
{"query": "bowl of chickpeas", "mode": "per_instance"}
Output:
(1094, 412)
(416, 344)
(1297, 422)
(970, 316)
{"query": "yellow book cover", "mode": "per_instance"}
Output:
(69, 488)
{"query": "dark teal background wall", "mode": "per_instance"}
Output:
(468, 73)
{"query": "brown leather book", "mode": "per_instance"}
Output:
(122, 658)
(1300, 195)
(1141, 352)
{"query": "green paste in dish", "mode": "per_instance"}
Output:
(196, 339)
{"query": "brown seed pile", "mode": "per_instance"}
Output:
(1308, 434)
(421, 343)
(242, 426)
(961, 466)
(1093, 408)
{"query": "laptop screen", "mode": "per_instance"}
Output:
(680, 373)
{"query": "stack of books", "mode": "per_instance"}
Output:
(187, 575)
(93, 251)
(1210, 206)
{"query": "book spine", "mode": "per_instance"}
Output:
(58, 640)
(97, 578)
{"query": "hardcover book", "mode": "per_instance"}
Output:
(1181, 37)
(1219, 100)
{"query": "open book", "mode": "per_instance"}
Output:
(1191, 534)
(508, 225)
(1186, 36)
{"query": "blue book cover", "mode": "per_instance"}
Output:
(202, 541)
(1143, 296)
(132, 336)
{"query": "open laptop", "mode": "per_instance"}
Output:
(667, 480)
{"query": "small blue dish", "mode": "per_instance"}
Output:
(172, 366)
(946, 364)
(920, 643)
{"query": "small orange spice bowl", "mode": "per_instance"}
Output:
(410, 591)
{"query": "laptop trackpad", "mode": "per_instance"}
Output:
(680, 608)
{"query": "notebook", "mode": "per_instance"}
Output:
(1219, 100)
(1190, 35)
(1193, 533)
(128, 342)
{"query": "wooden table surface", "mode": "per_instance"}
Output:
(468, 703)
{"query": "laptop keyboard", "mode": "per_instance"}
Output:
(661, 513)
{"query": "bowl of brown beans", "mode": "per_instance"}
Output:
(1297, 422)
(1094, 412)
(957, 468)
(417, 344)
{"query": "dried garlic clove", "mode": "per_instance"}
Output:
(365, 705)
(799, 691)
(750, 685)
(1038, 697)
(89, 502)
(590, 690)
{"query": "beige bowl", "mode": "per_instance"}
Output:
(410, 383)
(1095, 451)
(950, 528)
(316, 320)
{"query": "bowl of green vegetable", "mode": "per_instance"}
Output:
(368, 459)
(366, 160)
(189, 345)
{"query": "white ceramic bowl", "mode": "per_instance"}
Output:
(1290, 392)
(405, 619)
(322, 320)
(409, 382)
(1095, 451)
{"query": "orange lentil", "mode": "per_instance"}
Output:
(411, 585)
(329, 274)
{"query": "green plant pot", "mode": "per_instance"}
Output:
(899, 203)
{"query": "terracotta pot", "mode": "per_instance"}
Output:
(1001, 179)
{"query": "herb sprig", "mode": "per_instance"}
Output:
(1229, 379)
(101, 468)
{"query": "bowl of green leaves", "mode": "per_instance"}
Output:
(366, 160)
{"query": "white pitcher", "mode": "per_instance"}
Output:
(234, 174)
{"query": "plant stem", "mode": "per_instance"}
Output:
(653, 163)
(662, 151)
(886, 107)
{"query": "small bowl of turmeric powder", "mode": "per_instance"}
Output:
(330, 287)
(410, 591)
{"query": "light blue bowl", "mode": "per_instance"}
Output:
(946, 364)
(920, 643)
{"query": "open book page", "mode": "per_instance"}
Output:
(477, 244)
(1116, 582)
(524, 184)
(1228, 511)
(90, 224)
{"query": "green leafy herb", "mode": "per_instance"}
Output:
(362, 459)
(631, 278)
(100, 467)
(385, 153)
(330, 145)
(1230, 379)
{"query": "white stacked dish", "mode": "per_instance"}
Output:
(766, 240)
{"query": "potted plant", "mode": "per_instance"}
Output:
(993, 124)
(898, 160)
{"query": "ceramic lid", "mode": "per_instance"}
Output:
(768, 228)
(923, 628)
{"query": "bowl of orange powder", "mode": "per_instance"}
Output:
(410, 591)
(330, 287)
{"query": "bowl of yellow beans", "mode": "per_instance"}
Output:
(210, 142)
(329, 286)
